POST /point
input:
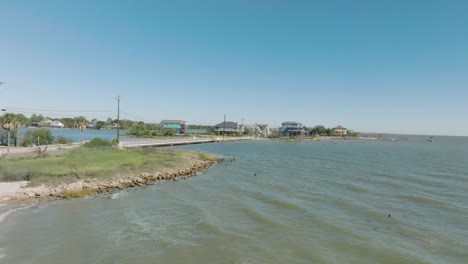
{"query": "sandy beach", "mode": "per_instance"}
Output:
(9, 188)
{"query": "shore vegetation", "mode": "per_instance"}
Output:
(91, 163)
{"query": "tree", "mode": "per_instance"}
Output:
(275, 134)
(138, 130)
(27, 139)
(67, 121)
(18, 121)
(7, 121)
(248, 131)
(168, 132)
(100, 124)
(63, 140)
(321, 130)
(36, 118)
(98, 142)
(80, 123)
(41, 136)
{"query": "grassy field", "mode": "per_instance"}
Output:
(91, 163)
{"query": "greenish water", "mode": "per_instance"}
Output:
(75, 135)
(310, 202)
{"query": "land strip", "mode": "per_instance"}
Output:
(82, 172)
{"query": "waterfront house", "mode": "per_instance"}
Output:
(227, 127)
(46, 123)
(291, 128)
(263, 129)
(178, 125)
(340, 131)
(57, 124)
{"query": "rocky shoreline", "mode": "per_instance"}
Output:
(96, 186)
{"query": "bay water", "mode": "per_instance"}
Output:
(278, 202)
(75, 134)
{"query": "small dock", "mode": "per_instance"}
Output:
(164, 142)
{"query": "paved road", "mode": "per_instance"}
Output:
(154, 142)
(21, 150)
(160, 142)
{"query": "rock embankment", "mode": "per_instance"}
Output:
(116, 184)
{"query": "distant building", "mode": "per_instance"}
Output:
(46, 123)
(227, 127)
(340, 131)
(57, 124)
(92, 123)
(291, 128)
(179, 126)
(263, 129)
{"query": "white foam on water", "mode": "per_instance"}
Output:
(7, 213)
(118, 195)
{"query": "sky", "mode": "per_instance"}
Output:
(371, 66)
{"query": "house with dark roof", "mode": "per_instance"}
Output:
(292, 128)
(227, 127)
(340, 131)
(178, 125)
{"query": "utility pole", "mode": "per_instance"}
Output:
(242, 132)
(255, 129)
(5, 126)
(118, 118)
(224, 126)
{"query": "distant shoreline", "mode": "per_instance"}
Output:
(320, 138)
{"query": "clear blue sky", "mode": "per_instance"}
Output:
(373, 66)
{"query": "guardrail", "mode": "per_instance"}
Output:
(175, 141)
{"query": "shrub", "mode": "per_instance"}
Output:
(41, 136)
(63, 140)
(98, 142)
(78, 194)
(168, 132)
(204, 156)
(19, 175)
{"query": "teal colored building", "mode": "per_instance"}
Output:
(179, 126)
(291, 128)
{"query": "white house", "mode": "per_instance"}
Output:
(340, 131)
(57, 124)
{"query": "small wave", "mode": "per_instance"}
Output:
(355, 188)
(427, 200)
(259, 217)
(114, 196)
(12, 210)
(209, 227)
(278, 202)
(284, 204)
(2, 253)
(396, 185)
(243, 261)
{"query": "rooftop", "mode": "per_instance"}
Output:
(174, 121)
(290, 123)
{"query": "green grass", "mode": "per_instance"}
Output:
(78, 194)
(90, 163)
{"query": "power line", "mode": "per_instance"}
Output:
(51, 112)
(137, 117)
(45, 113)
(56, 110)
